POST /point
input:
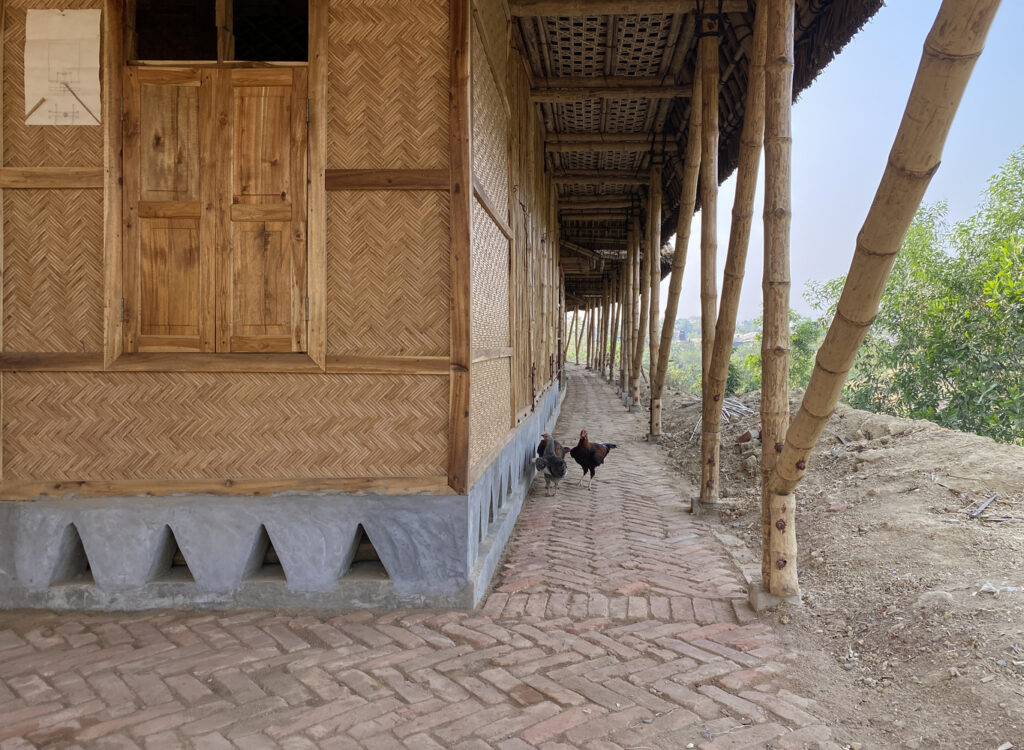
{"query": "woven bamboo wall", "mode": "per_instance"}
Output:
(388, 84)
(490, 130)
(489, 406)
(388, 273)
(112, 426)
(53, 270)
(489, 321)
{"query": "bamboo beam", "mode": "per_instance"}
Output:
(708, 52)
(599, 177)
(575, 8)
(654, 249)
(778, 564)
(461, 195)
(950, 52)
(751, 139)
(687, 205)
(597, 144)
(577, 89)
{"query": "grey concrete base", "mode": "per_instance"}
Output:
(760, 599)
(119, 553)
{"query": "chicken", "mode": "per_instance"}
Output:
(589, 456)
(551, 462)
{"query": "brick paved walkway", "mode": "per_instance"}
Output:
(617, 622)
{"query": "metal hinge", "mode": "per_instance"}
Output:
(307, 309)
(307, 110)
(122, 309)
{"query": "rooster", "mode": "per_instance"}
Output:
(589, 456)
(551, 462)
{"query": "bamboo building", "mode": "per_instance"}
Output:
(285, 285)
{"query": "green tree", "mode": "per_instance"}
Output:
(948, 342)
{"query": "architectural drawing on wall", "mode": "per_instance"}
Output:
(62, 67)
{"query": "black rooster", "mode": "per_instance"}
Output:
(589, 456)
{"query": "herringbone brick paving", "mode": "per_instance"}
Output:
(617, 622)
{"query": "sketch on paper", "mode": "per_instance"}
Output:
(62, 67)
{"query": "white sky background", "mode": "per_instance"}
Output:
(843, 128)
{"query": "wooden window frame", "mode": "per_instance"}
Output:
(114, 356)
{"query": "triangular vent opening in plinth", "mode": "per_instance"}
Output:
(72, 562)
(268, 567)
(170, 564)
(366, 563)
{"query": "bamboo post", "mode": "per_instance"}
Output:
(950, 52)
(606, 325)
(579, 333)
(778, 562)
(654, 248)
(629, 295)
(571, 332)
(634, 370)
(709, 73)
(645, 302)
(687, 205)
(616, 312)
(592, 316)
(739, 239)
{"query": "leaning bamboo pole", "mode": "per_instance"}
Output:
(778, 514)
(571, 332)
(709, 72)
(739, 238)
(654, 248)
(950, 51)
(579, 333)
(645, 302)
(687, 205)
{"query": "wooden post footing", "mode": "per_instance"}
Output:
(760, 599)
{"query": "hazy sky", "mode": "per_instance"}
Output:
(843, 128)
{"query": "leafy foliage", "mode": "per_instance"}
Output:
(948, 342)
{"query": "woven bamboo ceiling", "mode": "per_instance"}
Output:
(613, 81)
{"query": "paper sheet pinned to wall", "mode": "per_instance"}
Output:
(62, 67)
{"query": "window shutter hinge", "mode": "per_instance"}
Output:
(307, 309)
(122, 309)
(307, 110)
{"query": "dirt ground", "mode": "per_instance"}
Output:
(911, 630)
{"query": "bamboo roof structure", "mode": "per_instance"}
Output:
(613, 80)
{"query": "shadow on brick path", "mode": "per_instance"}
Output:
(617, 621)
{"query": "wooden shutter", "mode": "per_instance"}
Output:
(261, 259)
(168, 266)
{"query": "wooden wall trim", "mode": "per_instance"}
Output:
(485, 202)
(316, 230)
(388, 179)
(389, 365)
(69, 178)
(29, 490)
(460, 161)
(112, 72)
(499, 352)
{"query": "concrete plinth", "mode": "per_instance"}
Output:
(761, 599)
(212, 551)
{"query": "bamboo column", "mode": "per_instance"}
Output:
(778, 516)
(589, 328)
(645, 302)
(627, 318)
(614, 332)
(950, 51)
(654, 248)
(687, 204)
(739, 239)
(571, 332)
(708, 51)
(634, 377)
(606, 326)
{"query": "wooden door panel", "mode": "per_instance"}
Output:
(169, 138)
(169, 278)
(262, 276)
(262, 120)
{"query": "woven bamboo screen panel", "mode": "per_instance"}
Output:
(35, 146)
(53, 270)
(91, 426)
(489, 409)
(489, 282)
(387, 93)
(490, 131)
(491, 15)
(388, 273)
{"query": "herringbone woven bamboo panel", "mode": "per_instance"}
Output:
(37, 146)
(387, 96)
(387, 273)
(490, 415)
(488, 273)
(490, 131)
(53, 270)
(93, 426)
(492, 15)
